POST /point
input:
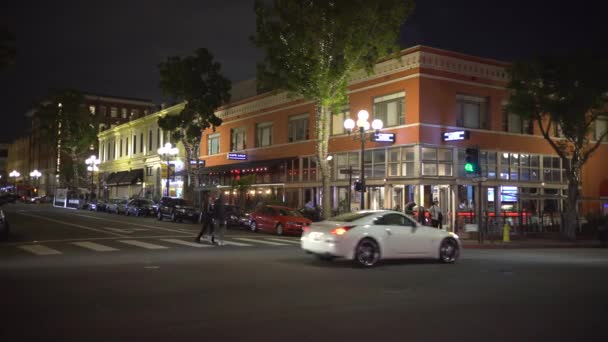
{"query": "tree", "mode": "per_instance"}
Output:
(66, 123)
(312, 48)
(564, 95)
(8, 52)
(198, 81)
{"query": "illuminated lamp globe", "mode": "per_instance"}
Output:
(377, 124)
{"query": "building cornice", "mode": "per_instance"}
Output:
(416, 58)
(117, 130)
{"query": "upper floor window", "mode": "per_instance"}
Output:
(120, 149)
(298, 128)
(552, 169)
(146, 112)
(390, 109)
(516, 124)
(141, 143)
(472, 111)
(114, 112)
(213, 144)
(337, 121)
(263, 136)
(126, 147)
(150, 141)
(158, 135)
(102, 111)
(134, 113)
(436, 161)
(134, 143)
(601, 127)
(237, 139)
(123, 113)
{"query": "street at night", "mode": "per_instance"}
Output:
(261, 291)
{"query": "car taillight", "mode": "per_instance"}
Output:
(339, 230)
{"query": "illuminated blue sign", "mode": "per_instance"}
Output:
(455, 136)
(237, 156)
(384, 137)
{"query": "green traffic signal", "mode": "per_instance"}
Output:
(468, 167)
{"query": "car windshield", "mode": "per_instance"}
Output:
(350, 217)
(288, 212)
(146, 202)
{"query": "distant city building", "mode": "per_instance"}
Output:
(4, 163)
(40, 155)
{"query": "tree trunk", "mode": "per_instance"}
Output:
(569, 223)
(322, 114)
(188, 190)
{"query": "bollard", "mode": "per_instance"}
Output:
(506, 230)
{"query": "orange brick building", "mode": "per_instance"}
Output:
(419, 98)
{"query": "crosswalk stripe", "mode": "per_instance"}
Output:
(232, 243)
(39, 250)
(186, 243)
(94, 246)
(297, 242)
(142, 244)
(262, 241)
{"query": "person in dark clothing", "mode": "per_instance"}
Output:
(206, 221)
(219, 215)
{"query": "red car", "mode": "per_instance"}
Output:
(277, 219)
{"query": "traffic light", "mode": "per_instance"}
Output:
(471, 157)
(358, 185)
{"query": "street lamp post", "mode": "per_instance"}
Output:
(92, 163)
(364, 132)
(166, 153)
(36, 175)
(15, 174)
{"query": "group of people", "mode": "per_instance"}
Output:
(213, 221)
(435, 213)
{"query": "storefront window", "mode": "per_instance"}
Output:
(436, 161)
(551, 169)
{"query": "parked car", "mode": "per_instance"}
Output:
(368, 236)
(8, 198)
(97, 205)
(116, 205)
(139, 207)
(235, 217)
(277, 219)
(176, 209)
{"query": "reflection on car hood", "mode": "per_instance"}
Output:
(184, 207)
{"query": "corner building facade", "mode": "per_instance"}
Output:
(427, 93)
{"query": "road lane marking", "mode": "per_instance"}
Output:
(142, 244)
(232, 243)
(39, 250)
(186, 243)
(94, 246)
(297, 242)
(135, 224)
(76, 225)
(262, 241)
(126, 230)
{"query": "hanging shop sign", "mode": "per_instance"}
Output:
(456, 135)
(384, 137)
(237, 156)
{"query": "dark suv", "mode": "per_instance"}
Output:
(176, 209)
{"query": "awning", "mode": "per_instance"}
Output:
(125, 177)
(132, 177)
(270, 164)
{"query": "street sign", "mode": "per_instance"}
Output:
(479, 179)
(384, 137)
(349, 171)
(237, 156)
(455, 136)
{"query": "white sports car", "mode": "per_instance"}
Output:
(370, 235)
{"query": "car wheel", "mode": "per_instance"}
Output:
(159, 216)
(126, 212)
(367, 253)
(253, 226)
(279, 229)
(448, 251)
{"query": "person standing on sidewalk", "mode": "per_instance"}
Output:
(219, 215)
(436, 215)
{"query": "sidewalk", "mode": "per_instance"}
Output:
(529, 243)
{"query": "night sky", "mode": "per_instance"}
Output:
(114, 47)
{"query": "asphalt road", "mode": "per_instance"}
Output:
(83, 282)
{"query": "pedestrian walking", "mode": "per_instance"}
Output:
(206, 222)
(219, 216)
(436, 215)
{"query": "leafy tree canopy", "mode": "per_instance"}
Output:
(198, 81)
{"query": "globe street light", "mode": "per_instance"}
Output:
(36, 175)
(364, 134)
(167, 152)
(92, 163)
(15, 174)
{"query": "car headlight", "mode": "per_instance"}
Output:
(453, 235)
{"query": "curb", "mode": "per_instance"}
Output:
(531, 246)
